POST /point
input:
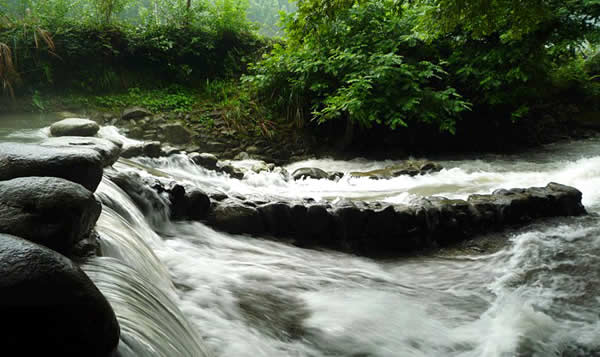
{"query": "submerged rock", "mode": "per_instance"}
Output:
(74, 127)
(80, 165)
(50, 211)
(49, 307)
(108, 150)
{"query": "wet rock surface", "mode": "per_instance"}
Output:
(74, 127)
(79, 165)
(108, 150)
(50, 211)
(49, 306)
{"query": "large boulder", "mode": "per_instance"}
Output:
(108, 150)
(50, 211)
(310, 172)
(74, 127)
(135, 112)
(49, 307)
(176, 133)
(80, 165)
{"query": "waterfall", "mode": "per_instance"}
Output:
(137, 284)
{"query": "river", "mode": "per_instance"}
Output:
(183, 289)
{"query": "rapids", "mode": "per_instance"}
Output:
(183, 289)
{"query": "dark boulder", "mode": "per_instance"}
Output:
(132, 150)
(49, 307)
(74, 127)
(236, 218)
(108, 150)
(188, 202)
(277, 217)
(176, 133)
(50, 211)
(310, 172)
(152, 149)
(232, 171)
(135, 112)
(206, 160)
(149, 199)
(80, 165)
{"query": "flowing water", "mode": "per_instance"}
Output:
(183, 289)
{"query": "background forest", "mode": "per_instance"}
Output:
(348, 70)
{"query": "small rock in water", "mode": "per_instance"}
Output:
(152, 149)
(234, 172)
(74, 127)
(310, 172)
(242, 156)
(206, 160)
(260, 167)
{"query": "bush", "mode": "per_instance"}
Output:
(360, 64)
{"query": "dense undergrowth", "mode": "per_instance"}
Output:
(366, 71)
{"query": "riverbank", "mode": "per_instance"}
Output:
(221, 119)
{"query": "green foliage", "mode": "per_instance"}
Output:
(396, 62)
(174, 99)
(510, 20)
(358, 62)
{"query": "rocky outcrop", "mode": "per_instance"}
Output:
(76, 164)
(74, 127)
(108, 150)
(49, 307)
(135, 112)
(153, 194)
(375, 228)
(407, 168)
(50, 211)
